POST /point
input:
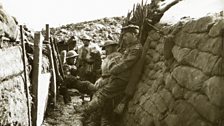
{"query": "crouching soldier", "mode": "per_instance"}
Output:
(69, 69)
(72, 80)
(120, 72)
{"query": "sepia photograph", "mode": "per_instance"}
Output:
(111, 63)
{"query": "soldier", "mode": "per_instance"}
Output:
(112, 58)
(72, 80)
(69, 69)
(86, 61)
(70, 65)
(120, 72)
(71, 43)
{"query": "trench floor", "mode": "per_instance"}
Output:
(64, 114)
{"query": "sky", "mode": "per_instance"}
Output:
(36, 13)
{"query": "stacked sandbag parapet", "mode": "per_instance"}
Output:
(183, 80)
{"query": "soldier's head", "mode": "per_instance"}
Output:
(72, 42)
(85, 39)
(71, 57)
(110, 46)
(129, 34)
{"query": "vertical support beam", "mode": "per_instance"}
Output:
(26, 88)
(37, 63)
(53, 79)
(222, 54)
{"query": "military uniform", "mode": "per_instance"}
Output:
(89, 63)
(120, 74)
(72, 80)
(102, 116)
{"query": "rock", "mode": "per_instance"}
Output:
(173, 120)
(205, 62)
(214, 89)
(159, 48)
(151, 108)
(146, 120)
(143, 99)
(216, 28)
(205, 108)
(156, 57)
(159, 102)
(187, 40)
(218, 68)
(189, 78)
(190, 58)
(179, 53)
(186, 115)
(168, 98)
(211, 45)
(8, 26)
(198, 26)
(202, 60)
(173, 87)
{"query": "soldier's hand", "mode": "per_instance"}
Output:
(120, 108)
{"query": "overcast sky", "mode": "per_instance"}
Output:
(36, 13)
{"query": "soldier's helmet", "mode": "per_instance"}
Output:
(130, 28)
(109, 42)
(71, 54)
(72, 39)
(85, 37)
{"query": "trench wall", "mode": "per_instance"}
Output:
(183, 79)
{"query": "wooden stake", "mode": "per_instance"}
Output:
(59, 58)
(53, 79)
(26, 88)
(37, 64)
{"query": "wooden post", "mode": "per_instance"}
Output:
(26, 88)
(59, 58)
(37, 62)
(53, 79)
(222, 54)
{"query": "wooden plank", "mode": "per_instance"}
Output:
(43, 91)
(37, 63)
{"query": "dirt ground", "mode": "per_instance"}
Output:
(64, 114)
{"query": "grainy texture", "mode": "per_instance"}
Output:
(185, 88)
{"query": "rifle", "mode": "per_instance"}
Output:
(137, 70)
(134, 78)
(58, 65)
(60, 73)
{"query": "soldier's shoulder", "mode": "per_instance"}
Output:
(115, 54)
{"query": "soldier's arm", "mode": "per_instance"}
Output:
(131, 59)
(114, 61)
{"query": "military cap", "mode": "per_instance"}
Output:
(71, 54)
(130, 28)
(73, 38)
(109, 42)
(85, 37)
